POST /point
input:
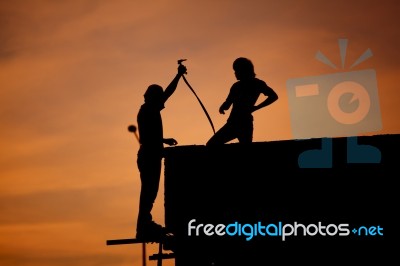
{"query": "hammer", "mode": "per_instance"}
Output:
(180, 62)
(133, 129)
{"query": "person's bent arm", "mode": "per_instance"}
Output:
(227, 104)
(271, 98)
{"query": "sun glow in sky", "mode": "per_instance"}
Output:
(72, 77)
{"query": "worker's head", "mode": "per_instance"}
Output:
(243, 68)
(154, 95)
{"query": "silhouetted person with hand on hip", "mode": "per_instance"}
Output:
(242, 97)
(151, 153)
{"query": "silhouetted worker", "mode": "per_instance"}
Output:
(151, 153)
(242, 97)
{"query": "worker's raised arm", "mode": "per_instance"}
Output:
(174, 83)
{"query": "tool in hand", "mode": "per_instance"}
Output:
(133, 129)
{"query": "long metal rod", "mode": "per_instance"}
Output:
(202, 105)
(198, 99)
(123, 241)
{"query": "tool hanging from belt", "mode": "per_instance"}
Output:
(202, 106)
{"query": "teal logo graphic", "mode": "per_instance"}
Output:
(343, 104)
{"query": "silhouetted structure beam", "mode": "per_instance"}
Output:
(162, 256)
(123, 241)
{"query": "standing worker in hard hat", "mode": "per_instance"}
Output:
(151, 153)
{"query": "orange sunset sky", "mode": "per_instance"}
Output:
(72, 77)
